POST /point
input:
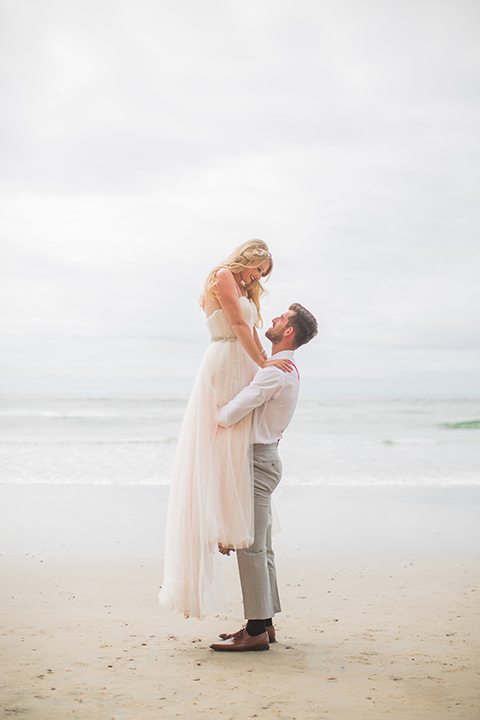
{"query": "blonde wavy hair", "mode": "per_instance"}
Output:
(247, 255)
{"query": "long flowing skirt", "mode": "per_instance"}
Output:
(211, 496)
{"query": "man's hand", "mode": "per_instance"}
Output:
(219, 425)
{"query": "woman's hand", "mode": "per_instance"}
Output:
(225, 549)
(284, 365)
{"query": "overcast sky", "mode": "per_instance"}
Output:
(143, 140)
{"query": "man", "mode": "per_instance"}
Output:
(272, 395)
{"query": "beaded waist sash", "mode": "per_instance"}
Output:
(223, 338)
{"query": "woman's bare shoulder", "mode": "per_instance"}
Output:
(226, 284)
(224, 275)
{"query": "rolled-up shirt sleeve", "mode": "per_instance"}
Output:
(266, 383)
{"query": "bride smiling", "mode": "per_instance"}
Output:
(211, 496)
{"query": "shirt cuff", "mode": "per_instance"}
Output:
(222, 417)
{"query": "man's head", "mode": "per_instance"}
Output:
(292, 329)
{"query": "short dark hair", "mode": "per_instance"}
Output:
(304, 324)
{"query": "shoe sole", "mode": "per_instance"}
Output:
(234, 649)
(224, 637)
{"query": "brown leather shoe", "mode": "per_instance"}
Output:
(242, 641)
(270, 632)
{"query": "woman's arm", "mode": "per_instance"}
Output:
(227, 296)
(259, 344)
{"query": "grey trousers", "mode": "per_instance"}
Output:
(256, 564)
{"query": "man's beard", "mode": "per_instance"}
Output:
(274, 335)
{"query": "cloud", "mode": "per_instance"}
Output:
(142, 141)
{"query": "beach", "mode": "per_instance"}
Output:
(379, 587)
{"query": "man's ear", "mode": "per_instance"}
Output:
(289, 331)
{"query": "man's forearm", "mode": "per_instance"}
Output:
(236, 409)
(261, 389)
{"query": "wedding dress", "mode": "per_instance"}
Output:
(211, 495)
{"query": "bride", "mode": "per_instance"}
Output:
(211, 496)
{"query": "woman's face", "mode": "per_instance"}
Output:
(254, 272)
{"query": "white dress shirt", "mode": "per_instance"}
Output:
(272, 395)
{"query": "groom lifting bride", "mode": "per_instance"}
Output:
(211, 500)
(272, 395)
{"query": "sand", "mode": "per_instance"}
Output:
(380, 590)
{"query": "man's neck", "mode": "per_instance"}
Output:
(281, 347)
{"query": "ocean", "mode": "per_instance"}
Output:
(331, 441)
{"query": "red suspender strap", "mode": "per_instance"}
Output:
(292, 363)
(298, 375)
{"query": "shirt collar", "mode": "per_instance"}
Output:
(287, 354)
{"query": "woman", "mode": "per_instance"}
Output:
(211, 497)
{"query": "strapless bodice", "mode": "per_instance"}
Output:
(220, 329)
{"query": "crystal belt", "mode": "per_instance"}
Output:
(223, 338)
